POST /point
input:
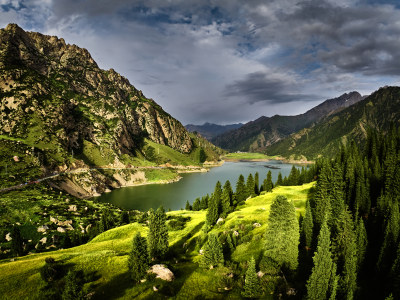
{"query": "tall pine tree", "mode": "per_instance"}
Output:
(282, 236)
(212, 253)
(268, 185)
(158, 234)
(138, 262)
(318, 285)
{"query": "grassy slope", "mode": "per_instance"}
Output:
(106, 256)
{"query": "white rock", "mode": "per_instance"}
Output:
(162, 272)
(43, 228)
(43, 240)
(8, 237)
(60, 229)
(256, 225)
(220, 220)
(155, 288)
(72, 208)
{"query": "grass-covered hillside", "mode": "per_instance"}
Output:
(104, 260)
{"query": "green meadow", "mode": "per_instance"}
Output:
(104, 259)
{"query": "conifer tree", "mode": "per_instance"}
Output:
(391, 238)
(307, 226)
(282, 236)
(268, 185)
(212, 212)
(138, 262)
(256, 183)
(319, 282)
(157, 238)
(204, 202)
(196, 204)
(212, 253)
(322, 201)
(250, 186)
(226, 199)
(188, 206)
(252, 287)
(362, 242)
(240, 193)
(293, 176)
(280, 180)
(345, 253)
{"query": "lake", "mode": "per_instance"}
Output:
(174, 195)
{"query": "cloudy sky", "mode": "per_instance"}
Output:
(229, 61)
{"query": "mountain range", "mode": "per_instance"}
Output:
(379, 112)
(256, 136)
(210, 130)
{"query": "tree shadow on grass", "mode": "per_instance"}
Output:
(182, 246)
(115, 288)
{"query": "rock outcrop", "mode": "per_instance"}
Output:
(56, 97)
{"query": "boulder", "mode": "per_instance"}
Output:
(60, 229)
(162, 272)
(43, 228)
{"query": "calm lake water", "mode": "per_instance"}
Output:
(191, 186)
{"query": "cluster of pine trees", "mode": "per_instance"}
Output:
(224, 200)
(347, 244)
(351, 226)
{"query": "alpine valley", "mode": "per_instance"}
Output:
(71, 131)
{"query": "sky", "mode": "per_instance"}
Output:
(229, 61)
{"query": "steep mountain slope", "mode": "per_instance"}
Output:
(377, 111)
(60, 111)
(256, 135)
(210, 130)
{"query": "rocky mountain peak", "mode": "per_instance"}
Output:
(57, 89)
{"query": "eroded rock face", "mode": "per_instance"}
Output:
(55, 88)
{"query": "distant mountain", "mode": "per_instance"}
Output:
(257, 135)
(210, 130)
(378, 111)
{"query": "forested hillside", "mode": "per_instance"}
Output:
(337, 238)
(376, 112)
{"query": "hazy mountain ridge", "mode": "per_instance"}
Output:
(377, 111)
(210, 130)
(257, 135)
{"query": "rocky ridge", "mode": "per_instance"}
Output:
(56, 98)
(256, 136)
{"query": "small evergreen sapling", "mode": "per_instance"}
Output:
(252, 287)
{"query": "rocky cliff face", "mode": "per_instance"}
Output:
(55, 98)
(257, 135)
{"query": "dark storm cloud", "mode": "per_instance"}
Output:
(259, 86)
(197, 57)
(354, 39)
